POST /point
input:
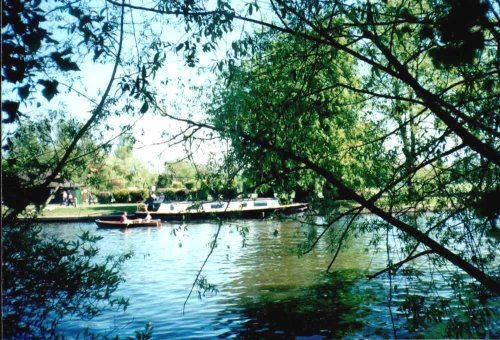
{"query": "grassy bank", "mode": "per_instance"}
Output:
(88, 210)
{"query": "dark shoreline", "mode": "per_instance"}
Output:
(64, 219)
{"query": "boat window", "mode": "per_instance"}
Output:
(243, 205)
(260, 204)
(217, 205)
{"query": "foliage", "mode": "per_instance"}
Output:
(43, 59)
(168, 193)
(176, 184)
(345, 100)
(182, 171)
(121, 196)
(189, 184)
(138, 195)
(181, 194)
(204, 287)
(200, 194)
(122, 169)
(35, 149)
(104, 197)
(329, 126)
(178, 174)
(145, 334)
(62, 277)
(164, 180)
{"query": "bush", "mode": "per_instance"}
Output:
(176, 185)
(181, 194)
(229, 193)
(164, 180)
(104, 197)
(198, 194)
(168, 193)
(45, 279)
(189, 185)
(121, 196)
(138, 195)
(117, 184)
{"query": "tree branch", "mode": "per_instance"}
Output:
(396, 266)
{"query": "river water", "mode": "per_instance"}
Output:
(264, 288)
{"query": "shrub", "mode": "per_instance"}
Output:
(117, 184)
(181, 194)
(138, 195)
(189, 185)
(176, 185)
(121, 196)
(229, 193)
(47, 278)
(104, 197)
(168, 193)
(198, 194)
(164, 180)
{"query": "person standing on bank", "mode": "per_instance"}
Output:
(64, 198)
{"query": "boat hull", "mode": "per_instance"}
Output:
(241, 214)
(121, 225)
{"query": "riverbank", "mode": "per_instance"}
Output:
(84, 212)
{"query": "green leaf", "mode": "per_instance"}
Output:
(10, 108)
(24, 91)
(50, 88)
(76, 12)
(64, 64)
(144, 107)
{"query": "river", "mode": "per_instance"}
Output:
(264, 288)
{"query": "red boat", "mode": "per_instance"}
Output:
(129, 224)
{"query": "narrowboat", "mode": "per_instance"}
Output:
(237, 208)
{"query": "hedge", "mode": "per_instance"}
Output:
(137, 196)
(121, 196)
(104, 197)
(168, 193)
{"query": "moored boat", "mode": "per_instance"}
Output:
(129, 224)
(238, 208)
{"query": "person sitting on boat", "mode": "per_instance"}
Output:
(124, 218)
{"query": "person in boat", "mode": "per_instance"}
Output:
(124, 218)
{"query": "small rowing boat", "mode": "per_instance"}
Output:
(129, 224)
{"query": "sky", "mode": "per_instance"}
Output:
(147, 129)
(179, 99)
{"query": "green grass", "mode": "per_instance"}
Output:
(88, 210)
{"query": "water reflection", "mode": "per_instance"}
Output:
(331, 307)
(265, 288)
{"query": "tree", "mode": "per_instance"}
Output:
(381, 38)
(37, 65)
(410, 156)
(45, 280)
(34, 150)
(426, 74)
(421, 103)
(121, 169)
